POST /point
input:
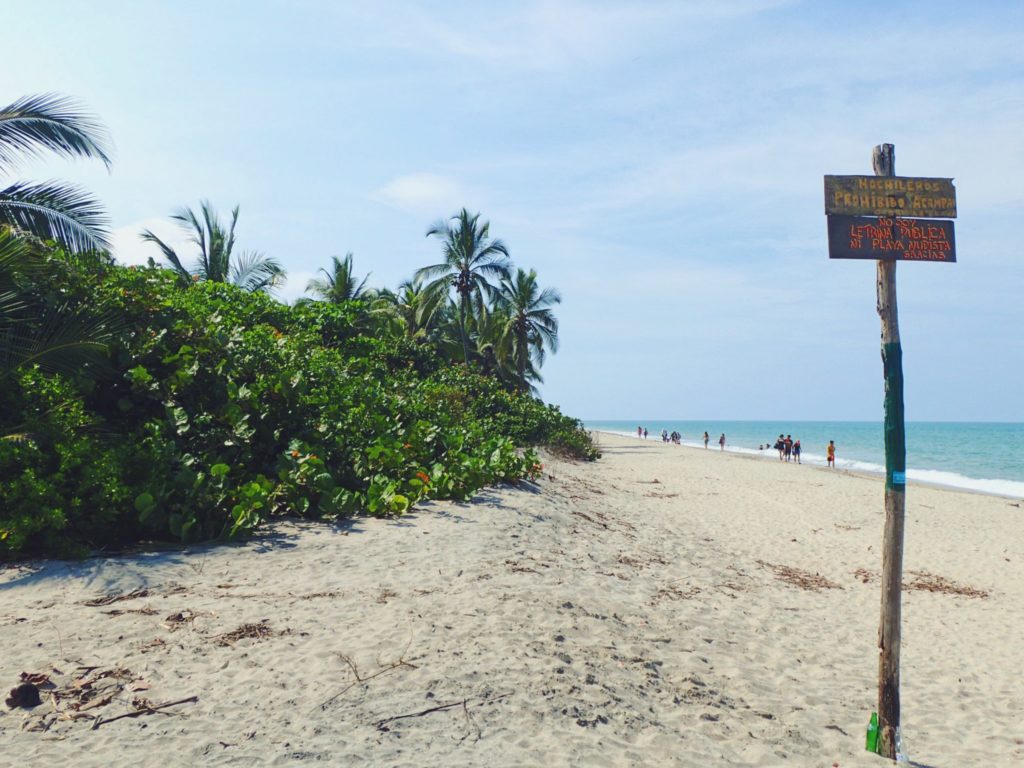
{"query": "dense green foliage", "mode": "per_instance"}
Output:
(220, 407)
(187, 404)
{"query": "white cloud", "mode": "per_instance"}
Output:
(128, 248)
(427, 194)
(554, 36)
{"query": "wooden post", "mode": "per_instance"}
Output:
(884, 162)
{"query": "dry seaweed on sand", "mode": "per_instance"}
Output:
(260, 630)
(81, 694)
(930, 582)
(923, 581)
(798, 577)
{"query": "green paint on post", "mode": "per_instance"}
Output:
(895, 437)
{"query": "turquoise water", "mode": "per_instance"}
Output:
(978, 456)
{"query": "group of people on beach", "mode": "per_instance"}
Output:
(675, 437)
(788, 448)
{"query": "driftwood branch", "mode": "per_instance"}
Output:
(144, 711)
(381, 725)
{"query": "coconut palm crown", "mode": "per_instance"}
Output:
(471, 260)
(217, 260)
(530, 324)
(52, 210)
(339, 283)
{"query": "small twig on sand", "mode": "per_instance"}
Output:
(144, 711)
(472, 724)
(108, 599)
(355, 671)
(382, 725)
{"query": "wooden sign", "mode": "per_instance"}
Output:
(888, 239)
(890, 196)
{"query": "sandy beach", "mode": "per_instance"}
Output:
(663, 606)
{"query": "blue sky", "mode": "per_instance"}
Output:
(660, 163)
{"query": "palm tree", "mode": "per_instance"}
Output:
(52, 210)
(470, 258)
(419, 310)
(339, 284)
(531, 326)
(59, 338)
(217, 261)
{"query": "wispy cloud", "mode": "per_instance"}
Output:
(555, 36)
(426, 194)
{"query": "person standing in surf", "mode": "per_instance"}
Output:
(721, 441)
(706, 438)
(832, 453)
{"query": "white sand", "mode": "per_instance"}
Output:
(605, 620)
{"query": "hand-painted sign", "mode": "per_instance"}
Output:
(890, 196)
(887, 239)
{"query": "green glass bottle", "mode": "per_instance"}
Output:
(871, 745)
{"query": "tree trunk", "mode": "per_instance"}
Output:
(463, 301)
(895, 493)
(521, 358)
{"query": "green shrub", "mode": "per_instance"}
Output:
(224, 407)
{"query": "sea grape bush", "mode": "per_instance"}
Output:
(221, 408)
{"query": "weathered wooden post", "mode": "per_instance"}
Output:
(884, 162)
(868, 218)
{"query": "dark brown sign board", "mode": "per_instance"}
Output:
(890, 196)
(867, 237)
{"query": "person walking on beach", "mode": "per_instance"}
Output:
(706, 438)
(832, 453)
(645, 433)
(787, 446)
(721, 441)
(780, 444)
(796, 450)
(639, 432)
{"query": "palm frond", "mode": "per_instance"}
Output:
(19, 259)
(440, 228)
(169, 253)
(62, 339)
(49, 122)
(56, 211)
(255, 272)
(186, 217)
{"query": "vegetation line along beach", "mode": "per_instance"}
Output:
(181, 401)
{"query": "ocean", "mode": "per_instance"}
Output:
(976, 456)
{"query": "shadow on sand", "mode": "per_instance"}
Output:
(153, 565)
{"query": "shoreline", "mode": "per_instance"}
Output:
(654, 608)
(865, 473)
